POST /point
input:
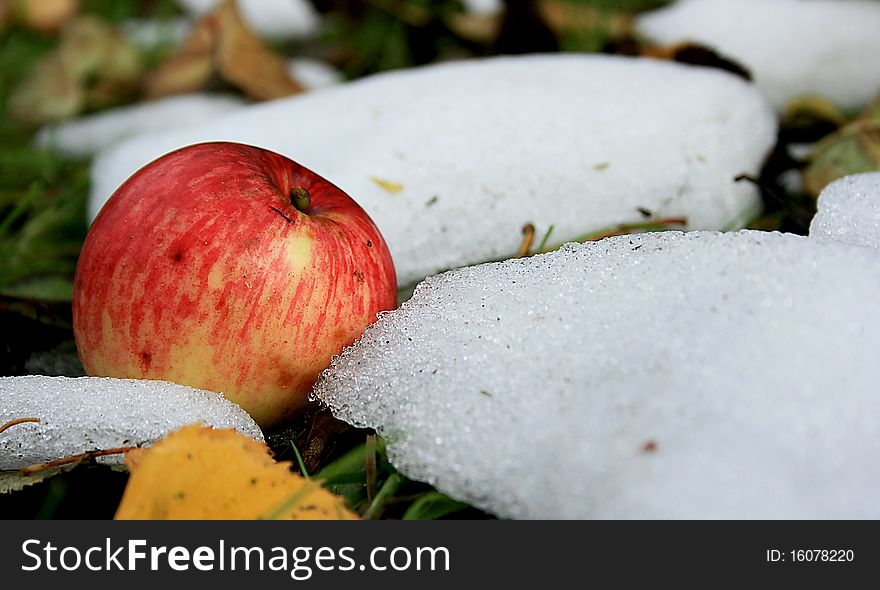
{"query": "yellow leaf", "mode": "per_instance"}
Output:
(199, 473)
(222, 44)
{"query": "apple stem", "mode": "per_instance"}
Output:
(300, 198)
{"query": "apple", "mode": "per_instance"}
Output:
(230, 268)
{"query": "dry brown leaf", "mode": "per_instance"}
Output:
(190, 69)
(185, 73)
(222, 44)
(199, 473)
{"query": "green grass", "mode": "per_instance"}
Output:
(42, 195)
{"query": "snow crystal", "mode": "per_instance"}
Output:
(88, 413)
(476, 149)
(849, 211)
(275, 20)
(792, 47)
(670, 375)
(87, 135)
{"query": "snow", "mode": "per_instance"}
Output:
(87, 135)
(89, 413)
(275, 20)
(671, 375)
(849, 211)
(313, 73)
(479, 148)
(792, 47)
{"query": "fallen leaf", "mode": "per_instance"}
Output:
(186, 73)
(852, 149)
(102, 61)
(199, 473)
(222, 44)
(94, 66)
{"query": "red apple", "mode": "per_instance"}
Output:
(230, 268)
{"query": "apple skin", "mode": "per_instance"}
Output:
(200, 270)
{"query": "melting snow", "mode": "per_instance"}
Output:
(670, 375)
(88, 413)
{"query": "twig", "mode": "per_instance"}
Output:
(30, 469)
(528, 232)
(12, 423)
